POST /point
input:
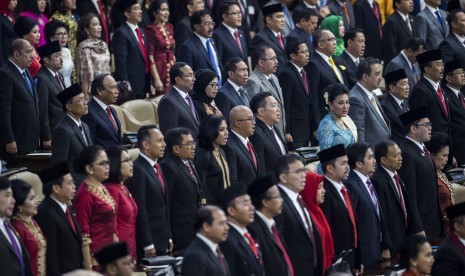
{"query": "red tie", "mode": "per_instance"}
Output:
(428, 154)
(462, 100)
(70, 220)
(59, 81)
(252, 246)
(443, 102)
(401, 197)
(280, 244)
(238, 42)
(280, 40)
(142, 48)
(112, 120)
(346, 14)
(351, 213)
(303, 74)
(252, 154)
(103, 19)
(160, 176)
(190, 170)
(376, 11)
(219, 255)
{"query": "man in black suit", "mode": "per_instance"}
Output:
(271, 34)
(182, 30)
(368, 18)
(199, 50)
(395, 102)
(49, 82)
(354, 43)
(267, 140)
(185, 195)
(59, 227)
(295, 223)
(176, 107)
(454, 81)
(230, 41)
(298, 102)
(203, 257)
(100, 8)
(71, 135)
(419, 172)
(19, 115)
(268, 204)
(243, 255)
(337, 206)
(400, 216)
(130, 50)
(337, 7)
(149, 189)
(452, 47)
(397, 30)
(306, 22)
(246, 163)
(322, 71)
(105, 127)
(450, 257)
(427, 92)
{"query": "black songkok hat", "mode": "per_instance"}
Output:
(332, 153)
(123, 5)
(428, 56)
(49, 48)
(4, 183)
(414, 115)
(260, 186)
(231, 193)
(452, 65)
(395, 76)
(69, 93)
(270, 9)
(111, 253)
(455, 211)
(54, 172)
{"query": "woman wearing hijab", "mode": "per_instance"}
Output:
(335, 24)
(205, 91)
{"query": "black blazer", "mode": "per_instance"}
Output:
(366, 20)
(243, 166)
(297, 239)
(451, 48)
(336, 9)
(351, 68)
(393, 215)
(199, 260)
(102, 131)
(267, 37)
(184, 199)
(182, 31)
(228, 98)
(9, 262)
(68, 142)
(449, 259)
(457, 125)
(8, 35)
(173, 111)
(240, 258)
(266, 146)
(392, 110)
(420, 177)
(273, 258)
(300, 35)
(64, 252)
(152, 223)
(227, 47)
(395, 36)
(129, 61)
(51, 110)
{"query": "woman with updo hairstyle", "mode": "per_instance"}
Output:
(204, 94)
(28, 29)
(95, 207)
(65, 12)
(416, 256)
(121, 168)
(34, 9)
(27, 228)
(210, 160)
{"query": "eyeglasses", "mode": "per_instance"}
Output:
(273, 197)
(332, 39)
(128, 160)
(273, 59)
(81, 100)
(63, 34)
(104, 163)
(427, 124)
(206, 24)
(298, 171)
(198, 3)
(303, 52)
(190, 75)
(235, 13)
(213, 85)
(461, 72)
(189, 144)
(251, 119)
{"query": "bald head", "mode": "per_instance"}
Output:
(21, 53)
(242, 121)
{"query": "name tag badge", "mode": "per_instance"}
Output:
(251, 10)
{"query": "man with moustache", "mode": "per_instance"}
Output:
(59, 227)
(149, 189)
(354, 43)
(419, 172)
(105, 127)
(203, 257)
(49, 82)
(337, 206)
(295, 223)
(243, 255)
(268, 202)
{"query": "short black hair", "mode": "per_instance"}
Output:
(24, 24)
(439, 140)
(259, 101)
(208, 131)
(302, 12)
(224, 7)
(292, 47)
(381, 149)
(356, 153)
(176, 71)
(415, 43)
(144, 133)
(51, 27)
(114, 155)
(351, 34)
(175, 136)
(231, 64)
(365, 67)
(205, 215)
(86, 157)
(258, 53)
(283, 163)
(316, 37)
(196, 17)
(410, 249)
(97, 83)
(154, 7)
(452, 17)
(47, 187)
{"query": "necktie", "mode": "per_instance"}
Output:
(428, 154)
(307, 222)
(213, 61)
(252, 246)
(191, 171)
(462, 100)
(70, 220)
(143, 50)
(273, 84)
(238, 42)
(414, 71)
(346, 14)
(14, 245)
(160, 176)
(407, 22)
(401, 197)
(351, 213)
(252, 154)
(280, 41)
(276, 138)
(103, 20)
(333, 66)
(378, 18)
(375, 105)
(438, 16)
(28, 82)
(243, 96)
(357, 61)
(191, 106)
(404, 108)
(83, 134)
(441, 99)
(303, 74)
(219, 255)
(280, 245)
(371, 188)
(59, 81)
(112, 120)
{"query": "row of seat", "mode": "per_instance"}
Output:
(137, 113)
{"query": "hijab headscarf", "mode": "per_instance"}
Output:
(312, 180)
(202, 78)
(5, 10)
(331, 23)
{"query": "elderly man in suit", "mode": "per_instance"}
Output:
(185, 195)
(263, 79)
(105, 127)
(59, 227)
(306, 22)
(71, 135)
(407, 60)
(368, 18)
(452, 47)
(176, 107)
(130, 50)
(203, 257)
(19, 115)
(366, 112)
(354, 43)
(431, 25)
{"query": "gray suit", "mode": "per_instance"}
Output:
(399, 62)
(427, 27)
(370, 126)
(257, 83)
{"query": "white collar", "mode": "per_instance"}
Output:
(132, 26)
(268, 222)
(420, 145)
(17, 67)
(404, 16)
(299, 69)
(235, 86)
(456, 92)
(434, 84)
(78, 123)
(363, 177)
(354, 59)
(151, 162)
(100, 103)
(432, 10)
(460, 38)
(231, 30)
(243, 140)
(324, 56)
(213, 246)
(336, 185)
(203, 39)
(51, 71)
(391, 173)
(369, 94)
(242, 231)
(461, 240)
(290, 193)
(408, 61)
(62, 205)
(398, 101)
(183, 94)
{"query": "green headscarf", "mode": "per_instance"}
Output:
(331, 23)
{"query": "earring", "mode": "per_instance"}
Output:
(20, 210)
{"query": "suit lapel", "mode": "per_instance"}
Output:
(244, 150)
(373, 109)
(232, 39)
(298, 75)
(184, 104)
(6, 242)
(270, 87)
(402, 22)
(52, 79)
(337, 197)
(62, 215)
(78, 131)
(350, 61)
(394, 104)
(198, 43)
(104, 116)
(23, 81)
(392, 186)
(152, 173)
(294, 211)
(212, 256)
(362, 187)
(451, 95)
(435, 95)
(434, 19)
(327, 67)
(273, 38)
(242, 243)
(233, 93)
(133, 37)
